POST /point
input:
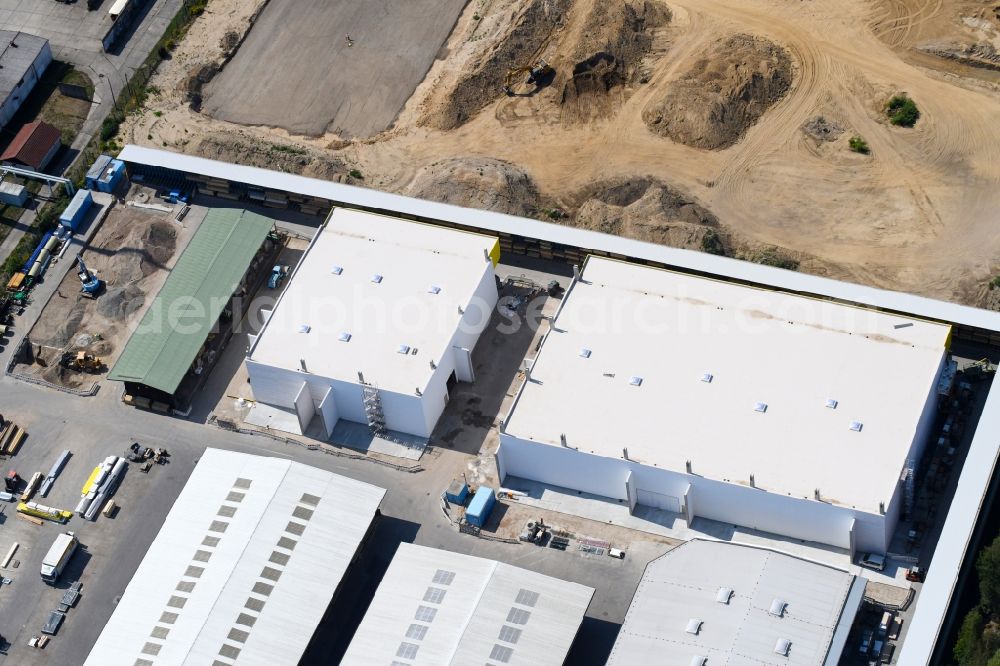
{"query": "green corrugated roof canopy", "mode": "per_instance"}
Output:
(161, 351)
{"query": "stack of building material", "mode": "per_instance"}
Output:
(11, 438)
(101, 485)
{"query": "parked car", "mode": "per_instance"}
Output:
(873, 561)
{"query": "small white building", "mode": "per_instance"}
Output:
(23, 60)
(797, 416)
(245, 566)
(438, 608)
(377, 323)
(735, 604)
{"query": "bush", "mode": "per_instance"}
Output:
(995, 282)
(712, 244)
(902, 111)
(109, 127)
(859, 145)
(988, 568)
(968, 648)
(354, 173)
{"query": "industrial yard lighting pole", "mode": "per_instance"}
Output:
(125, 82)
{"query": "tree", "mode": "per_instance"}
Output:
(968, 648)
(988, 568)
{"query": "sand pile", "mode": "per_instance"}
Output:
(477, 182)
(646, 209)
(723, 93)
(531, 30)
(615, 41)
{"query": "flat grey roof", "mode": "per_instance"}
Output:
(771, 597)
(15, 60)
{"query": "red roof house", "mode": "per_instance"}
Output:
(33, 147)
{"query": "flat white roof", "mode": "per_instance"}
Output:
(683, 585)
(789, 353)
(439, 608)
(384, 282)
(244, 566)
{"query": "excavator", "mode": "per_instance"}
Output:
(539, 72)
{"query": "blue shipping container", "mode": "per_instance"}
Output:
(457, 492)
(76, 209)
(96, 171)
(481, 506)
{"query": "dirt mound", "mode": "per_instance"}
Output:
(823, 129)
(646, 209)
(274, 156)
(531, 31)
(120, 302)
(139, 250)
(616, 38)
(68, 328)
(725, 92)
(981, 54)
(484, 183)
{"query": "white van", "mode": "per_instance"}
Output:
(883, 626)
(872, 561)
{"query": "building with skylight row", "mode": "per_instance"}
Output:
(377, 324)
(791, 415)
(438, 608)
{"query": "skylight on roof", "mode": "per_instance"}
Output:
(698, 660)
(403, 349)
(635, 380)
(304, 328)
(777, 608)
(760, 407)
(782, 646)
(433, 289)
(693, 626)
(831, 403)
(377, 278)
(724, 595)
(707, 377)
(585, 353)
(337, 270)
(344, 336)
(856, 426)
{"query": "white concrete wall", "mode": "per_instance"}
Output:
(754, 508)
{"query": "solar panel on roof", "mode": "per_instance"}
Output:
(526, 597)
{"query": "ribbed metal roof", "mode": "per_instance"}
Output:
(161, 351)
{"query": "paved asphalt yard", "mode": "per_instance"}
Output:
(300, 50)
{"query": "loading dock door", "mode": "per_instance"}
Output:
(659, 500)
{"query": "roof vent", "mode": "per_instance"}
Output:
(760, 407)
(585, 353)
(337, 270)
(304, 328)
(777, 608)
(782, 646)
(724, 595)
(698, 660)
(693, 626)
(344, 336)
(856, 426)
(831, 403)
(433, 289)
(377, 278)
(707, 377)
(635, 380)
(403, 349)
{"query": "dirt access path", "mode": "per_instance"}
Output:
(917, 214)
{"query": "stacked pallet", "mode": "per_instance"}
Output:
(11, 438)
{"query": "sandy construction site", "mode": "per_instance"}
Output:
(720, 125)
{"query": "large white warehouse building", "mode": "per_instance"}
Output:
(377, 324)
(792, 415)
(438, 608)
(250, 557)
